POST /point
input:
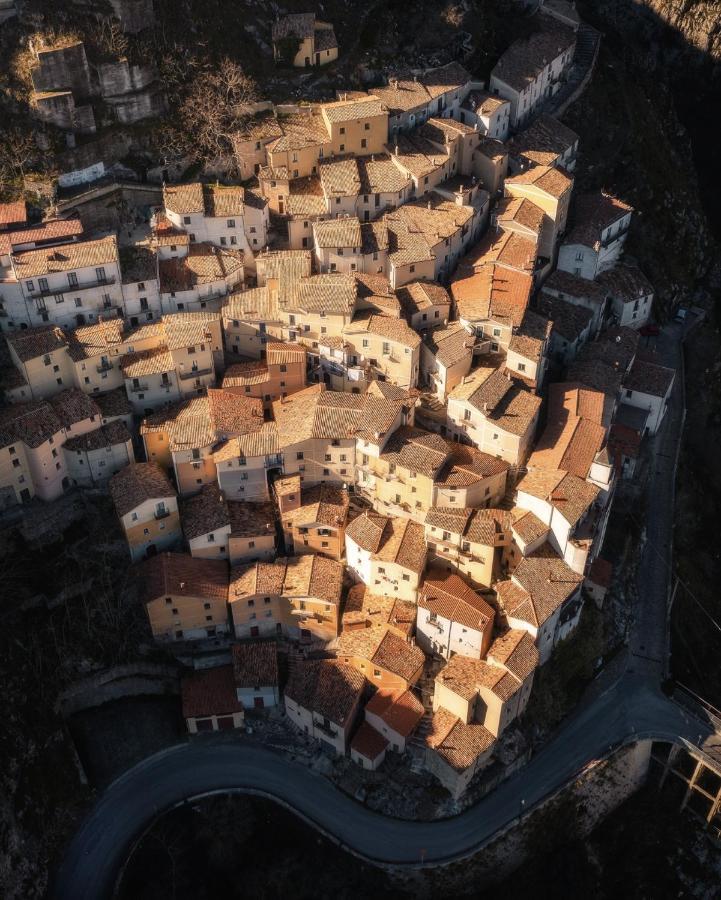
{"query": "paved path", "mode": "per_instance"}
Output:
(619, 710)
(630, 709)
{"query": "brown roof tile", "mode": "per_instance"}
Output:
(137, 483)
(209, 692)
(255, 664)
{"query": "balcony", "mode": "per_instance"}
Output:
(196, 373)
(161, 513)
(104, 367)
(273, 460)
(70, 288)
(139, 388)
(435, 624)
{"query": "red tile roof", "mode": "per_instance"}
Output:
(368, 742)
(209, 692)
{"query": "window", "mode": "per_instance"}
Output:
(521, 367)
(406, 578)
(100, 273)
(364, 142)
(211, 538)
(466, 415)
(231, 223)
(186, 220)
(342, 130)
(251, 602)
(299, 454)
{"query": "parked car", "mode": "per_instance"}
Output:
(650, 330)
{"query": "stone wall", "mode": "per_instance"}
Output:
(63, 68)
(123, 78)
(134, 15)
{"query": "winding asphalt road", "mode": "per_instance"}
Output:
(630, 708)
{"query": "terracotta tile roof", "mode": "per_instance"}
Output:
(178, 573)
(14, 213)
(366, 530)
(165, 234)
(530, 339)
(204, 512)
(528, 526)
(147, 362)
(348, 110)
(516, 651)
(483, 103)
(32, 423)
(209, 692)
(379, 175)
(203, 264)
(570, 443)
(417, 451)
(324, 38)
(466, 677)
(448, 518)
(626, 283)
(527, 57)
(73, 406)
(500, 399)
(333, 293)
(368, 743)
(308, 575)
(370, 285)
(448, 596)
(388, 327)
(261, 127)
(251, 519)
(184, 198)
(568, 398)
(521, 211)
(544, 141)
(592, 214)
(444, 131)
(339, 176)
(114, 403)
(467, 465)
(255, 664)
(505, 248)
(201, 421)
(109, 435)
(66, 257)
(300, 131)
(401, 710)
(570, 495)
(41, 233)
(246, 374)
(648, 378)
(397, 656)
(485, 526)
(421, 295)
(457, 744)
(256, 304)
(327, 687)
(34, 342)
(364, 609)
(416, 155)
(548, 179)
(300, 25)
(137, 483)
(306, 198)
(538, 587)
(188, 329)
(571, 286)
(324, 504)
(403, 543)
(569, 320)
(344, 233)
(452, 76)
(493, 292)
(221, 201)
(402, 95)
(450, 344)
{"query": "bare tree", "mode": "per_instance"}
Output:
(17, 151)
(219, 100)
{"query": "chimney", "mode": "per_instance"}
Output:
(396, 150)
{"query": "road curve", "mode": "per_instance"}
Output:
(628, 710)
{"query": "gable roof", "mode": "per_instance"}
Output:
(137, 483)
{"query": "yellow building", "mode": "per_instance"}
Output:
(185, 598)
(298, 596)
(477, 543)
(550, 190)
(187, 435)
(419, 469)
(313, 520)
(147, 506)
(301, 40)
(281, 373)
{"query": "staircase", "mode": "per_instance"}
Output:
(588, 41)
